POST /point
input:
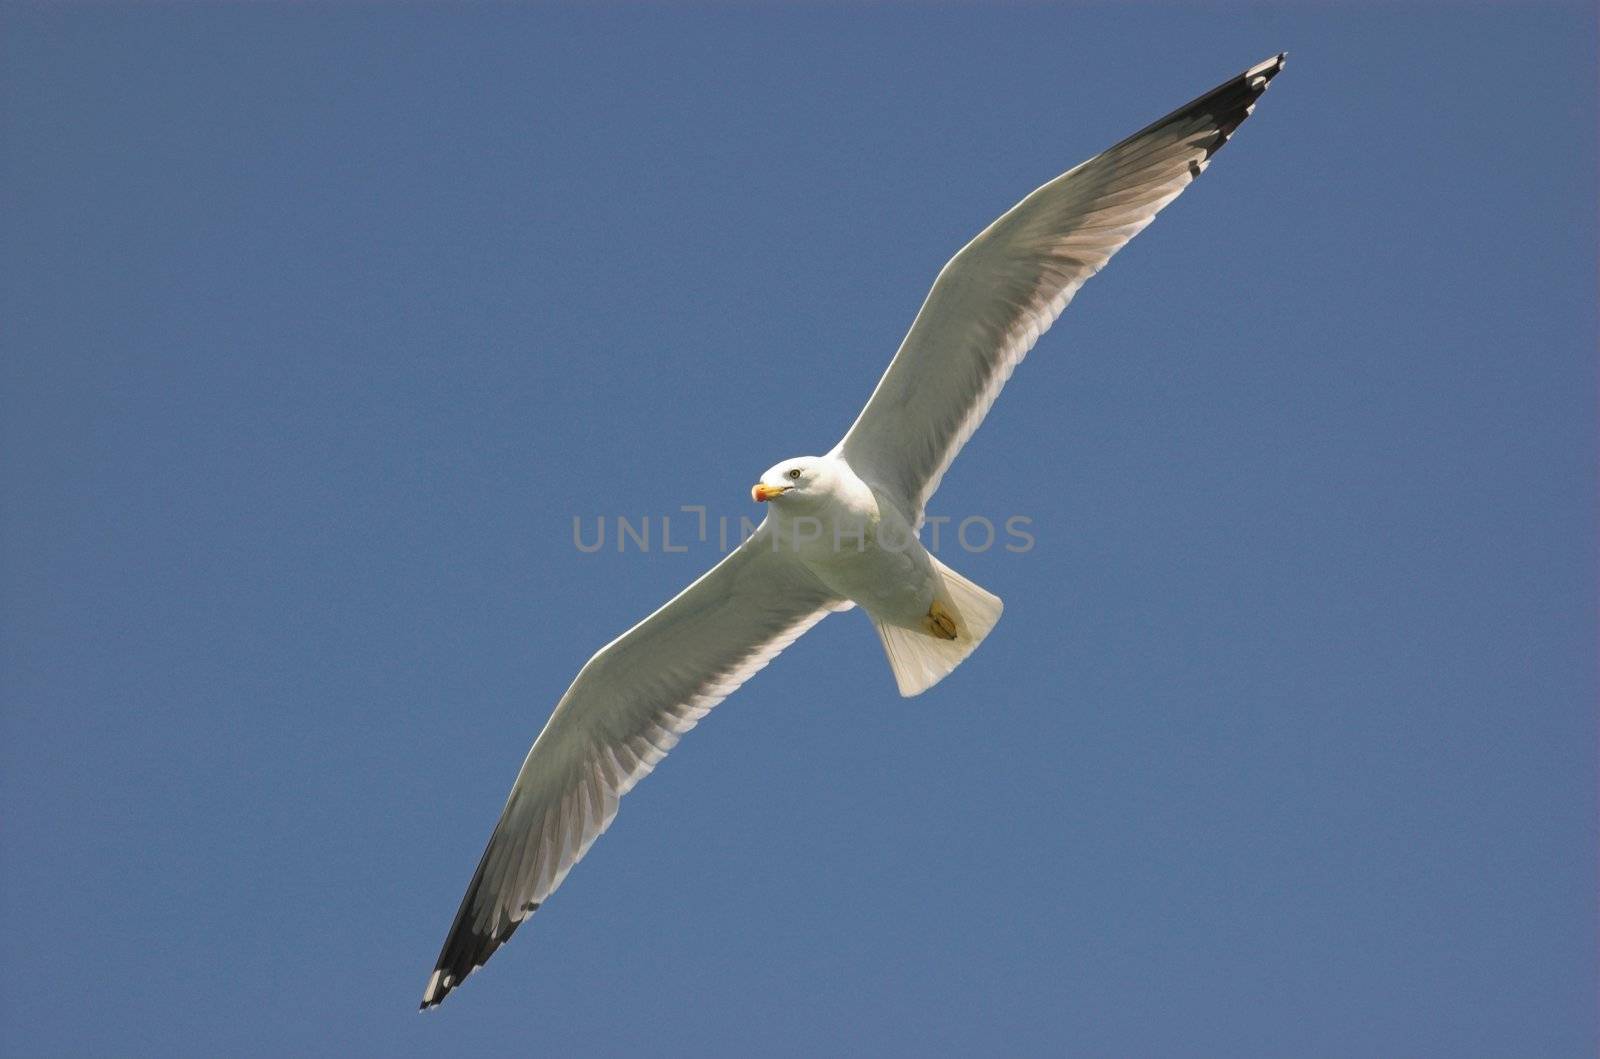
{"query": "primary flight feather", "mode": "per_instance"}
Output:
(636, 697)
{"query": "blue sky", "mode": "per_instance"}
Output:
(321, 324)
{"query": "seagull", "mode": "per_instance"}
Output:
(841, 529)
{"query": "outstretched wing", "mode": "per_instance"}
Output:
(1004, 289)
(628, 706)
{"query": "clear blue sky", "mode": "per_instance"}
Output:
(321, 324)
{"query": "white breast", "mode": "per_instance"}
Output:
(862, 547)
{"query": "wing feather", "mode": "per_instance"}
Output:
(627, 708)
(1004, 289)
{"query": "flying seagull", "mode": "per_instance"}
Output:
(841, 529)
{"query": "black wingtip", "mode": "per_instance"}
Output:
(1223, 109)
(1230, 103)
(467, 947)
(465, 950)
(1268, 68)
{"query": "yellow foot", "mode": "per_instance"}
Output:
(940, 622)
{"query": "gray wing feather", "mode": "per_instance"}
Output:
(627, 708)
(1004, 289)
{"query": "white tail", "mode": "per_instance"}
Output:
(920, 660)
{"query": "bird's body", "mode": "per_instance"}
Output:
(856, 542)
(842, 531)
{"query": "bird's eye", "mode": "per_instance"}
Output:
(795, 473)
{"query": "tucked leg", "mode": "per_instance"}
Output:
(940, 622)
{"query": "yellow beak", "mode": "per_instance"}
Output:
(762, 492)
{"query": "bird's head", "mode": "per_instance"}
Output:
(795, 478)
